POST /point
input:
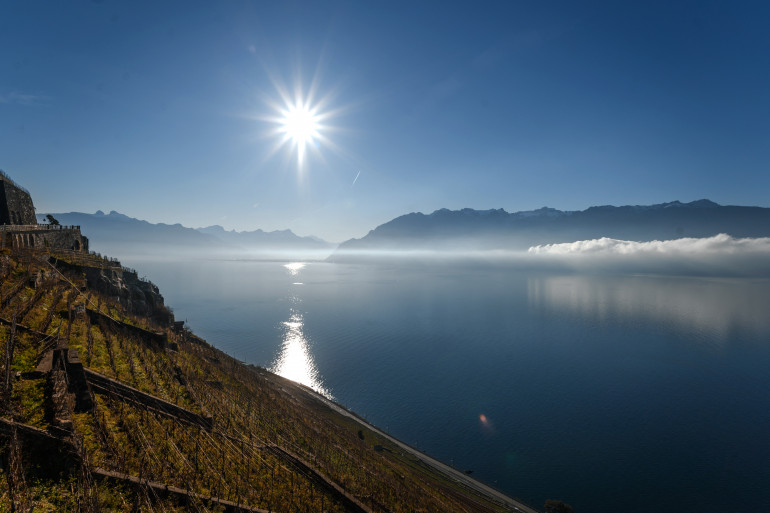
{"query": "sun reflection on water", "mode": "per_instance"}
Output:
(295, 361)
(294, 267)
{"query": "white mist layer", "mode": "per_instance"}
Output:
(717, 255)
(721, 244)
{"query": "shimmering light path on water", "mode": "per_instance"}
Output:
(608, 392)
(295, 361)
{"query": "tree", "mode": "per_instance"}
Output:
(52, 220)
(553, 506)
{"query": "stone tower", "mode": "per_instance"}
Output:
(15, 203)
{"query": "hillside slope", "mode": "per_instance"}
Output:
(111, 406)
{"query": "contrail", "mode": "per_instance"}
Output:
(354, 179)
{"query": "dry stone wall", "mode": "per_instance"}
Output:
(43, 237)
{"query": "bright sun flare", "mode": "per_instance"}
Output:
(300, 126)
(300, 120)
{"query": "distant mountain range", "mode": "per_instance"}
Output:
(469, 229)
(443, 230)
(117, 234)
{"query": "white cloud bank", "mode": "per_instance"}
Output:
(721, 244)
(721, 254)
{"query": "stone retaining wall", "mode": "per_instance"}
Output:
(43, 236)
(101, 384)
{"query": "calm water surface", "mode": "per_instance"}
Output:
(612, 393)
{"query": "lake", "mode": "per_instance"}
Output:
(611, 393)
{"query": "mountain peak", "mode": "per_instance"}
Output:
(114, 214)
(211, 229)
(540, 212)
(704, 203)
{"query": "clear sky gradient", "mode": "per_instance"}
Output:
(162, 110)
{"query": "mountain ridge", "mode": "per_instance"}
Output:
(470, 229)
(116, 233)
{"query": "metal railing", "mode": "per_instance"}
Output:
(36, 227)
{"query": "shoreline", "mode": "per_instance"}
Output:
(439, 466)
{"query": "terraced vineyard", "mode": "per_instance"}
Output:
(108, 405)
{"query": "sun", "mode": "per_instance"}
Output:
(300, 120)
(300, 125)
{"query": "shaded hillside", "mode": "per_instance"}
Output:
(111, 406)
(469, 229)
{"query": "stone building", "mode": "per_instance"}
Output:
(19, 228)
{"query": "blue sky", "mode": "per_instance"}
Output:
(161, 110)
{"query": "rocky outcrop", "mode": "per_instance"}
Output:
(124, 286)
(15, 203)
(154, 339)
(138, 296)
